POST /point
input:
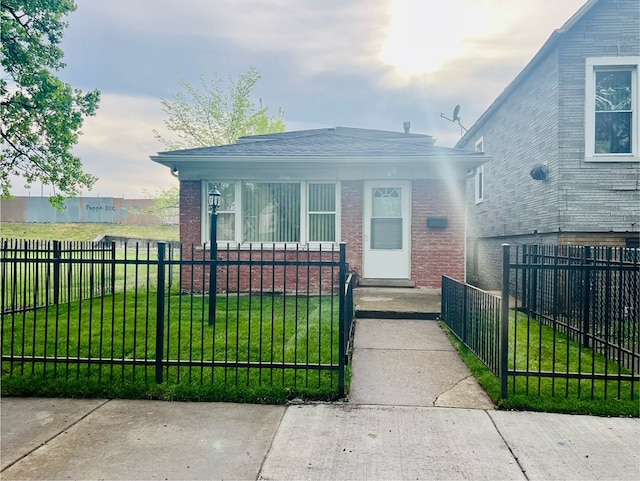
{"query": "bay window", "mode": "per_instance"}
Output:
(275, 212)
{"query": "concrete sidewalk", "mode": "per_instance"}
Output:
(130, 440)
(414, 412)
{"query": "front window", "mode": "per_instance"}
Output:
(613, 112)
(270, 212)
(322, 212)
(275, 212)
(611, 109)
(226, 212)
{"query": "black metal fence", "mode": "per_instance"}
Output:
(474, 316)
(36, 273)
(143, 314)
(574, 326)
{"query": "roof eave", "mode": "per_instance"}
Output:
(172, 161)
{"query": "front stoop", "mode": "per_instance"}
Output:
(396, 303)
(386, 283)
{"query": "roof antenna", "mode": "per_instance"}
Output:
(455, 119)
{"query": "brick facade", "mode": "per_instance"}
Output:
(351, 196)
(190, 215)
(434, 251)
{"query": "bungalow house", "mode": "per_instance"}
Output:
(394, 198)
(563, 139)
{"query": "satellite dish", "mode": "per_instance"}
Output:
(456, 113)
(456, 118)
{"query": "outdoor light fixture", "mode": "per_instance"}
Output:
(214, 199)
(539, 172)
(214, 203)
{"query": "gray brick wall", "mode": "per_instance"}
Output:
(595, 197)
(542, 120)
(521, 134)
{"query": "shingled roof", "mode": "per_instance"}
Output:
(326, 142)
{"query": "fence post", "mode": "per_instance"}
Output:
(342, 334)
(465, 312)
(56, 272)
(504, 323)
(534, 259)
(160, 312)
(586, 295)
(113, 268)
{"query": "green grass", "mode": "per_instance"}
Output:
(537, 393)
(86, 232)
(29, 276)
(123, 326)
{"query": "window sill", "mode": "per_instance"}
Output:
(612, 158)
(278, 246)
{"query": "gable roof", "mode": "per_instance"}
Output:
(546, 49)
(329, 142)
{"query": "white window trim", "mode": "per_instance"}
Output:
(304, 235)
(304, 223)
(589, 108)
(205, 227)
(479, 174)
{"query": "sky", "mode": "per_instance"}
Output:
(353, 63)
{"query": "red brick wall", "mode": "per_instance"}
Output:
(267, 270)
(351, 198)
(190, 215)
(436, 252)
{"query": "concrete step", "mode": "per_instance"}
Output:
(396, 303)
(386, 283)
(374, 314)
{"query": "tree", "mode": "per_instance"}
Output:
(208, 116)
(167, 205)
(40, 116)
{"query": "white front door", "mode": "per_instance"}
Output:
(387, 230)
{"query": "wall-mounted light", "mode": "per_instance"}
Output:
(539, 172)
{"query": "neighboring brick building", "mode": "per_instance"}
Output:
(394, 198)
(563, 139)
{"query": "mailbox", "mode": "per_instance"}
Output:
(437, 222)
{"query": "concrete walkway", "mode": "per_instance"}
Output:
(414, 412)
(410, 363)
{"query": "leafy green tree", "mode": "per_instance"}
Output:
(207, 116)
(40, 116)
(167, 204)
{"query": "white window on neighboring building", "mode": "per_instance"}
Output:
(275, 212)
(479, 176)
(611, 109)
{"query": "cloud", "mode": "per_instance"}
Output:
(116, 144)
(322, 62)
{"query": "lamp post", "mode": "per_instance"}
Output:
(213, 202)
